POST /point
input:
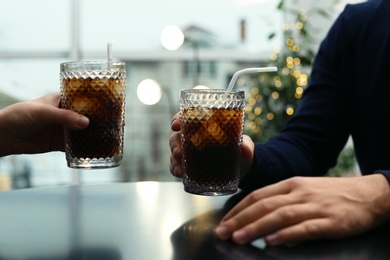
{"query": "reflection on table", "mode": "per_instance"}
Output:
(144, 220)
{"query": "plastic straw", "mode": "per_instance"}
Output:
(109, 51)
(109, 55)
(248, 70)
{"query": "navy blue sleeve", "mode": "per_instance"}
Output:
(313, 138)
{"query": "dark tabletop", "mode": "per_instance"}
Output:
(144, 220)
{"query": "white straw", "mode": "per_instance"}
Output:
(248, 70)
(109, 51)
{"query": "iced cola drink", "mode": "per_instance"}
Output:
(96, 90)
(211, 133)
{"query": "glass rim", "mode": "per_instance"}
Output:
(210, 90)
(92, 62)
(92, 65)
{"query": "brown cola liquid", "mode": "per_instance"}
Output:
(102, 101)
(211, 142)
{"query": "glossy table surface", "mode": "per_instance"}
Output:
(144, 220)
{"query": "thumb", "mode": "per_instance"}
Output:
(53, 115)
(47, 111)
(247, 154)
(175, 123)
(73, 120)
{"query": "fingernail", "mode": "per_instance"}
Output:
(83, 121)
(240, 237)
(271, 239)
(222, 232)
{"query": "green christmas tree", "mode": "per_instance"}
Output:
(274, 96)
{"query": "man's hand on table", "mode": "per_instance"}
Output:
(308, 208)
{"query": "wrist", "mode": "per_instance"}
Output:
(385, 173)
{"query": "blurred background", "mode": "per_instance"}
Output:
(167, 45)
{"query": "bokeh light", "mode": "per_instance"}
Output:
(149, 92)
(172, 37)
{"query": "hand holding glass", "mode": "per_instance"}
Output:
(96, 90)
(211, 132)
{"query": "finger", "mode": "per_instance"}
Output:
(51, 115)
(281, 218)
(175, 165)
(247, 154)
(307, 230)
(247, 147)
(175, 144)
(241, 217)
(175, 123)
(258, 195)
(176, 168)
(176, 155)
(67, 118)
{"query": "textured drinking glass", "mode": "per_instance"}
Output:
(96, 90)
(211, 134)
